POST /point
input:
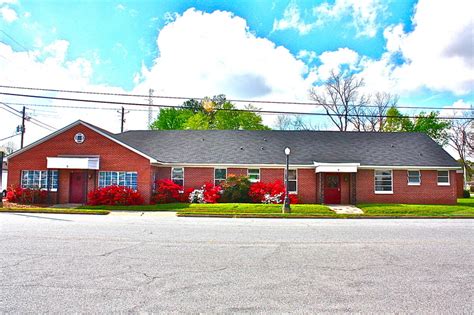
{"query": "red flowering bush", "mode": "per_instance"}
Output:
(273, 192)
(212, 193)
(167, 191)
(208, 193)
(26, 196)
(115, 195)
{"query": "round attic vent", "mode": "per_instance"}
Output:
(79, 137)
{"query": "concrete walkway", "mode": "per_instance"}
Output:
(345, 209)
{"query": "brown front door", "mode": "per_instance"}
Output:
(77, 187)
(332, 188)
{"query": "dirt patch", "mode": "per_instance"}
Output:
(7, 204)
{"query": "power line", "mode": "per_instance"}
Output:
(201, 98)
(219, 109)
(14, 40)
(9, 137)
(75, 107)
(31, 119)
(19, 114)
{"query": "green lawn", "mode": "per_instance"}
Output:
(465, 207)
(55, 210)
(226, 209)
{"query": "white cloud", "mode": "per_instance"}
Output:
(364, 14)
(8, 14)
(49, 67)
(333, 60)
(440, 50)
(449, 111)
(120, 7)
(437, 55)
(211, 53)
(306, 55)
(292, 20)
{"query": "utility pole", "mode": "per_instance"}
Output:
(123, 119)
(150, 107)
(122, 113)
(23, 126)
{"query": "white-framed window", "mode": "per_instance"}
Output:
(443, 178)
(177, 176)
(220, 175)
(79, 138)
(35, 179)
(414, 178)
(127, 179)
(383, 181)
(253, 174)
(292, 181)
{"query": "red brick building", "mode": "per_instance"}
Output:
(325, 166)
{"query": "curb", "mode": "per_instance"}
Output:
(240, 216)
(52, 212)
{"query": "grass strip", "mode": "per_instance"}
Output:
(219, 207)
(464, 208)
(56, 211)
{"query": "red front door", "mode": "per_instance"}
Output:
(332, 188)
(77, 187)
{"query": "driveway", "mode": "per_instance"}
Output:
(74, 263)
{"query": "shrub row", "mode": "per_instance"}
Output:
(235, 189)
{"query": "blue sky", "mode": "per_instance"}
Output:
(274, 50)
(124, 32)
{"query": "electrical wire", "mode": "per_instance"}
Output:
(10, 137)
(201, 98)
(31, 120)
(263, 112)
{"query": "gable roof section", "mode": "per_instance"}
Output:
(243, 147)
(100, 131)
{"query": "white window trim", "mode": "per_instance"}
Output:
(42, 188)
(98, 177)
(248, 175)
(220, 168)
(391, 179)
(171, 174)
(408, 178)
(295, 192)
(449, 178)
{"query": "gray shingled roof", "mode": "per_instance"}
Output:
(266, 147)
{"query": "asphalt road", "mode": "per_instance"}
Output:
(74, 263)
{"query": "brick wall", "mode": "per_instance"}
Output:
(427, 193)
(113, 157)
(459, 184)
(271, 174)
(195, 177)
(307, 185)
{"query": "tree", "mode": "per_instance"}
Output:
(372, 117)
(209, 113)
(460, 138)
(429, 123)
(340, 97)
(10, 147)
(171, 119)
(295, 122)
